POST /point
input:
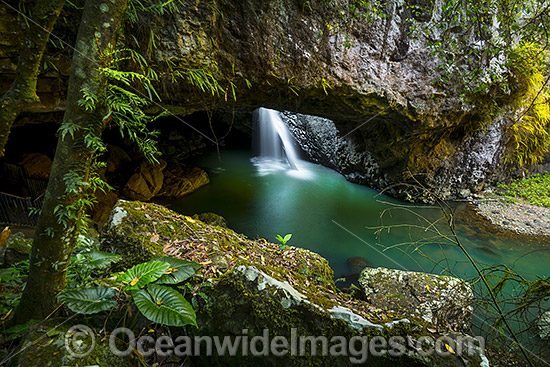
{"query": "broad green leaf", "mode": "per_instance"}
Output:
(179, 270)
(142, 274)
(164, 305)
(88, 300)
(96, 259)
(287, 237)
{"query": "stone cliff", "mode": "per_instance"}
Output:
(376, 78)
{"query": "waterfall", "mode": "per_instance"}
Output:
(276, 147)
(275, 139)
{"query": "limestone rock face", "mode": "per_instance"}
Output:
(146, 183)
(182, 180)
(442, 301)
(378, 80)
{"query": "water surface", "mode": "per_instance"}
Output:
(262, 197)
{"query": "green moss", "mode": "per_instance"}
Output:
(45, 346)
(19, 243)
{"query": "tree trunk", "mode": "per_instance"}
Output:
(54, 242)
(23, 88)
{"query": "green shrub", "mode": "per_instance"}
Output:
(530, 133)
(535, 189)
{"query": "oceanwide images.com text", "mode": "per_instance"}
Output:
(80, 342)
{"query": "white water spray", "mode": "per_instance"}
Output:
(275, 139)
(276, 147)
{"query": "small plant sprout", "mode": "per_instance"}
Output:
(283, 240)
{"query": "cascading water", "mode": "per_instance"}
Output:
(276, 146)
(275, 140)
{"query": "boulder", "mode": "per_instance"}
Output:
(249, 288)
(116, 159)
(4, 236)
(442, 301)
(182, 180)
(257, 302)
(543, 325)
(146, 183)
(18, 248)
(57, 342)
(105, 204)
(37, 165)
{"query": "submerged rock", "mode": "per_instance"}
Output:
(357, 263)
(443, 301)
(543, 324)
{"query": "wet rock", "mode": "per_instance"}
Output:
(487, 250)
(543, 325)
(440, 300)
(18, 248)
(182, 180)
(146, 183)
(37, 165)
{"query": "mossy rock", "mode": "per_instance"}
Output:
(248, 302)
(133, 232)
(45, 345)
(256, 285)
(443, 301)
(18, 248)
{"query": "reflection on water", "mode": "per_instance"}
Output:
(337, 219)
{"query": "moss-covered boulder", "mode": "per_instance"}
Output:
(248, 286)
(56, 342)
(443, 301)
(18, 248)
